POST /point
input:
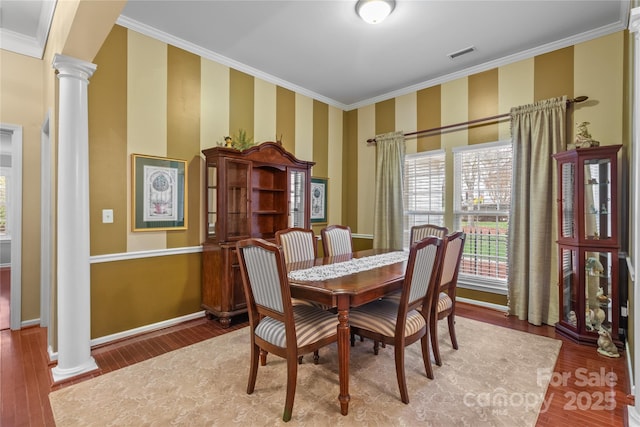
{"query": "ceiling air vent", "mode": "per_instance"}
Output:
(461, 52)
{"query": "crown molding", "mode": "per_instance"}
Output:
(526, 54)
(221, 59)
(30, 45)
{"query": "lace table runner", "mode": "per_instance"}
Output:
(331, 271)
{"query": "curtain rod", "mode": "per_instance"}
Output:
(470, 122)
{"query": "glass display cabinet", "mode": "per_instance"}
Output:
(588, 243)
(250, 193)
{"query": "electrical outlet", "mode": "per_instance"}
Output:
(107, 216)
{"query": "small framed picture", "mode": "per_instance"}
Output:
(318, 200)
(159, 193)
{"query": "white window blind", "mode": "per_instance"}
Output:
(424, 190)
(482, 198)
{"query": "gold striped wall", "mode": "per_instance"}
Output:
(594, 68)
(151, 98)
(155, 99)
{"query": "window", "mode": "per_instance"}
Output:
(424, 190)
(482, 198)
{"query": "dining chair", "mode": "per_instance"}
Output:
(277, 325)
(336, 240)
(419, 232)
(401, 323)
(298, 244)
(444, 305)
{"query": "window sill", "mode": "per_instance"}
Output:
(482, 286)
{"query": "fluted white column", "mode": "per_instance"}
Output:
(74, 293)
(634, 27)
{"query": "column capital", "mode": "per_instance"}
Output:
(634, 20)
(73, 67)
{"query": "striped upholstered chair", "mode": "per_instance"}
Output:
(445, 299)
(336, 240)
(407, 321)
(277, 325)
(298, 244)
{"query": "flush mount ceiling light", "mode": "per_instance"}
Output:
(374, 11)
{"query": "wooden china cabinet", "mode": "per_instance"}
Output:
(250, 193)
(588, 243)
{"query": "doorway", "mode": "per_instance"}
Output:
(11, 224)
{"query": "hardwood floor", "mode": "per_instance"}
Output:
(594, 392)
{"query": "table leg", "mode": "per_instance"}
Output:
(343, 353)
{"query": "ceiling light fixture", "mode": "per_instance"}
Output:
(374, 11)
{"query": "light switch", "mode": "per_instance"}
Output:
(107, 216)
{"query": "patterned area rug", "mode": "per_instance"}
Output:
(498, 377)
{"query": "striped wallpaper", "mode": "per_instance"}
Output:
(148, 97)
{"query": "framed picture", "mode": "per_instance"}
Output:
(159, 193)
(318, 200)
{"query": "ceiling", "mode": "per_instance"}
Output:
(320, 48)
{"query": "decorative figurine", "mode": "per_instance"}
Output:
(594, 267)
(583, 138)
(606, 346)
(589, 319)
(228, 142)
(598, 318)
(601, 297)
(572, 318)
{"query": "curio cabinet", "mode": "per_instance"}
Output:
(588, 243)
(250, 193)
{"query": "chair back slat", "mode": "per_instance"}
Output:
(454, 246)
(423, 270)
(336, 240)
(262, 269)
(297, 244)
(419, 232)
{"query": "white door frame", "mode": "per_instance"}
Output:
(45, 223)
(14, 217)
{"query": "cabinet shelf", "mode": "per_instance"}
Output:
(271, 190)
(268, 212)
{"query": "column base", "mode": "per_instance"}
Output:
(64, 374)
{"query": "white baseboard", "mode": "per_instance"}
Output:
(136, 331)
(32, 322)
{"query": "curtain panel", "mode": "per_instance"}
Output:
(388, 213)
(538, 131)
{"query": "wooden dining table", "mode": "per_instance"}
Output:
(344, 292)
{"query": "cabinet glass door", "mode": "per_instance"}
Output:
(237, 198)
(597, 199)
(598, 282)
(567, 213)
(297, 201)
(212, 200)
(569, 288)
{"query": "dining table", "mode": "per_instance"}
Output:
(346, 281)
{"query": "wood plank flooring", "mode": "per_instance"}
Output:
(588, 397)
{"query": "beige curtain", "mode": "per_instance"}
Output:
(538, 131)
(388, 211)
